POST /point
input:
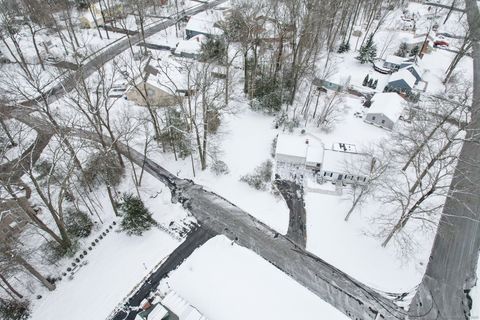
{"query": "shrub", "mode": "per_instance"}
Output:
(14, 310)
(103, 168)
(268, 95)
(219, 168)
(261, 176)
(78, 223)
(53, 251)
(344, 47)
(136, 217)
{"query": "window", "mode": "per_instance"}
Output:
(383, 121)
(331, 174)
(324, 174)
(373, 118)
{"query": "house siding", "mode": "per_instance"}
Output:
(159, 98)
(377, 118)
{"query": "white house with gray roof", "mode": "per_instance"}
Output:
(385, 110)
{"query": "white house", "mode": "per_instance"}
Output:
(157, 312)
(345, 167)
(385, 110)
(181, 308)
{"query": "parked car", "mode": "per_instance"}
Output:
(52, 59)
(440, 43)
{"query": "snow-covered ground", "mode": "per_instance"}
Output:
(117, 264)
(227, 282)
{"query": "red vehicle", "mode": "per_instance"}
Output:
(440, 43)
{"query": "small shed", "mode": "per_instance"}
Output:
(402, 81)
(385, 110)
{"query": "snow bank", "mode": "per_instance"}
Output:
(228, 282)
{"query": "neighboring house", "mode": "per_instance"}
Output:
(419, 41)
(385, 110)
(191, 48)
(402, 81)
(205, 23)
(90, 16)
(181, 308)
(338, 85)
(343, 167)
(415, 71)
(156, 312)
(12, 219)
(393, 62)
(161, 86)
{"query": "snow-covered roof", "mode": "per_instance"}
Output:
(169, 76)
(192, 46)
(389, 104)
(204, 22)
(394, 59)
(315, 153)
(343, 162)
(291, 145)
(308, 147)
(181, 308)
(405, 75)
(415, 67)
(158, 313)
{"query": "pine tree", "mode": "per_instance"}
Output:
(415, 50)
(365, 81)
(370, 83)
(368, 51)
(136, 217)
(344, 47)
(402, 50)
(375, 83)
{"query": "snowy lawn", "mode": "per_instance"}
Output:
(118, 264)
(228, 282)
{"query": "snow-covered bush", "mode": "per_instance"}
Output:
(344, 47)
(103, 168)
(136, 217)
(261, 176)
(78, 223)
(14, 310)
(219, 167)
(268, 95)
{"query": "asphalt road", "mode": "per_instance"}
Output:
(112, 51)
(195, 239)
(297, 224)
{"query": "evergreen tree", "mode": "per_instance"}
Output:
(402, 50)
(415, 51)
(370, 83)
(344, 47)
(368, 51)
(375, 83)
(136, 217)
(365, 81)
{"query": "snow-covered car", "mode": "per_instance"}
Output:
(52, 59)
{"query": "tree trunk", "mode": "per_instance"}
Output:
(10, 287)
(50, 286)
